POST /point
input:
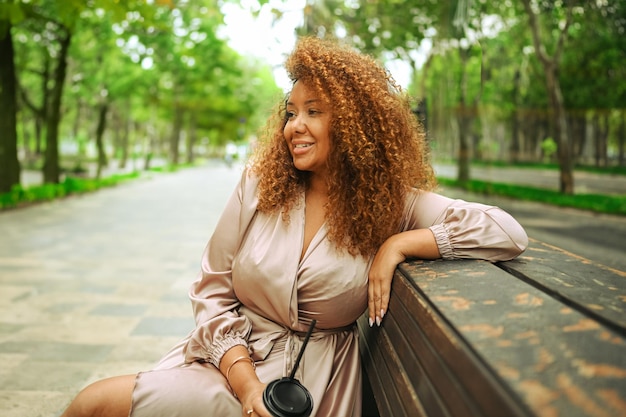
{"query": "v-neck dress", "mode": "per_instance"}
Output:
(255, 290)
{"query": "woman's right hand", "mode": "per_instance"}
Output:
(253, 400)
(239, 370)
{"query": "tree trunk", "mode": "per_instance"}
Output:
(577, 127)
(600, 136)
(125, 123)
(27, 136)
(122, 128)
(515, 148)
(102, 120)
(463, 121)
(564, 148)
(80, 142)
(621, 139)
(9, 162)
(51, 169)
(555, 96)
(40, 114)
(192, 138)
(150, 142)
(175, 138)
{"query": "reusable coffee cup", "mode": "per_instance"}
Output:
(287, 397)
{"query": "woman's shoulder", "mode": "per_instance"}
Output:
(248, 185)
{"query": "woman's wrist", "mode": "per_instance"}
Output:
(238, 368)
(239, 359)
(417, 243)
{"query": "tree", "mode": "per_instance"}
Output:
(51, 167)
(9, 163)
(591, 77)
(387, 29)
(550, 64)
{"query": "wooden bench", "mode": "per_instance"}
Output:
(541, 335)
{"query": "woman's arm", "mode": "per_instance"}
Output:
(238, 369)
(434, 227)
(219, 326)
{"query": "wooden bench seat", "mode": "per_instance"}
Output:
(542, 335)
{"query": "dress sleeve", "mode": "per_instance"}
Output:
(219, 326)
(466, 230)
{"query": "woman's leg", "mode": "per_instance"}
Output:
(111, 397)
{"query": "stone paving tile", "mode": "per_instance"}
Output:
(163, 326)
(96, 285)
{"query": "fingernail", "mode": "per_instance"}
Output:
(382, 313)
(378, 321)
(371, 321)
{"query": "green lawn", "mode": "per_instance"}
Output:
(598, 203)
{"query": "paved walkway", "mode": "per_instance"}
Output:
(584, 182)
(96, 285)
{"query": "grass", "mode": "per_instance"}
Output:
(609, 204)
(614, 170)
(20, 196)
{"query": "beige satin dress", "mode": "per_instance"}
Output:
(254, 290)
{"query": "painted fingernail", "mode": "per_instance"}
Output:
(371, 321)
(382, 313)
(378, 321)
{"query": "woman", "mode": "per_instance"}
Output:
(337, 196)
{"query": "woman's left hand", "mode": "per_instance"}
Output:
(417, 243)
(380, 276)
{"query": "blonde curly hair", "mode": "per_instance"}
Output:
(378, 148)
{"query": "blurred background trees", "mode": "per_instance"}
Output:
(104, 81)
(514, 81)
(101, 80)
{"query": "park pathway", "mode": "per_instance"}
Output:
(96, 285)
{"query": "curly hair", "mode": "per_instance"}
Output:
(378, 148)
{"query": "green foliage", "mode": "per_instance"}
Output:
(594, 202)
(143, 62)
(503, 70)
(151, 61)
(19, 196)
(549, 148)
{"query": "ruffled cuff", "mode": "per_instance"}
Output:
(442, 238)
(221, 346)
(195, 350)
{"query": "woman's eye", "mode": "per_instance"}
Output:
(290, 115)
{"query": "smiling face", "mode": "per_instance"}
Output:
(307, 129)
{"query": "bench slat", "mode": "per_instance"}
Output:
(463, 381)
(593, 289)
(542, 335)
(383, 376)
(553, 357)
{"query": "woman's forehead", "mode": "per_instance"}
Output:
(302, 90)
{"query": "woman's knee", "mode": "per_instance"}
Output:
(111, 397)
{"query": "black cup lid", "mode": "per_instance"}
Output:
(286, 397)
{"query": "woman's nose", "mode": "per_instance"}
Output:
(299, 124)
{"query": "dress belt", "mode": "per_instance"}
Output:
(294, 340)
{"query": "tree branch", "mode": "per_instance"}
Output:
(29, 103)
(534, 28)
(563, 33)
